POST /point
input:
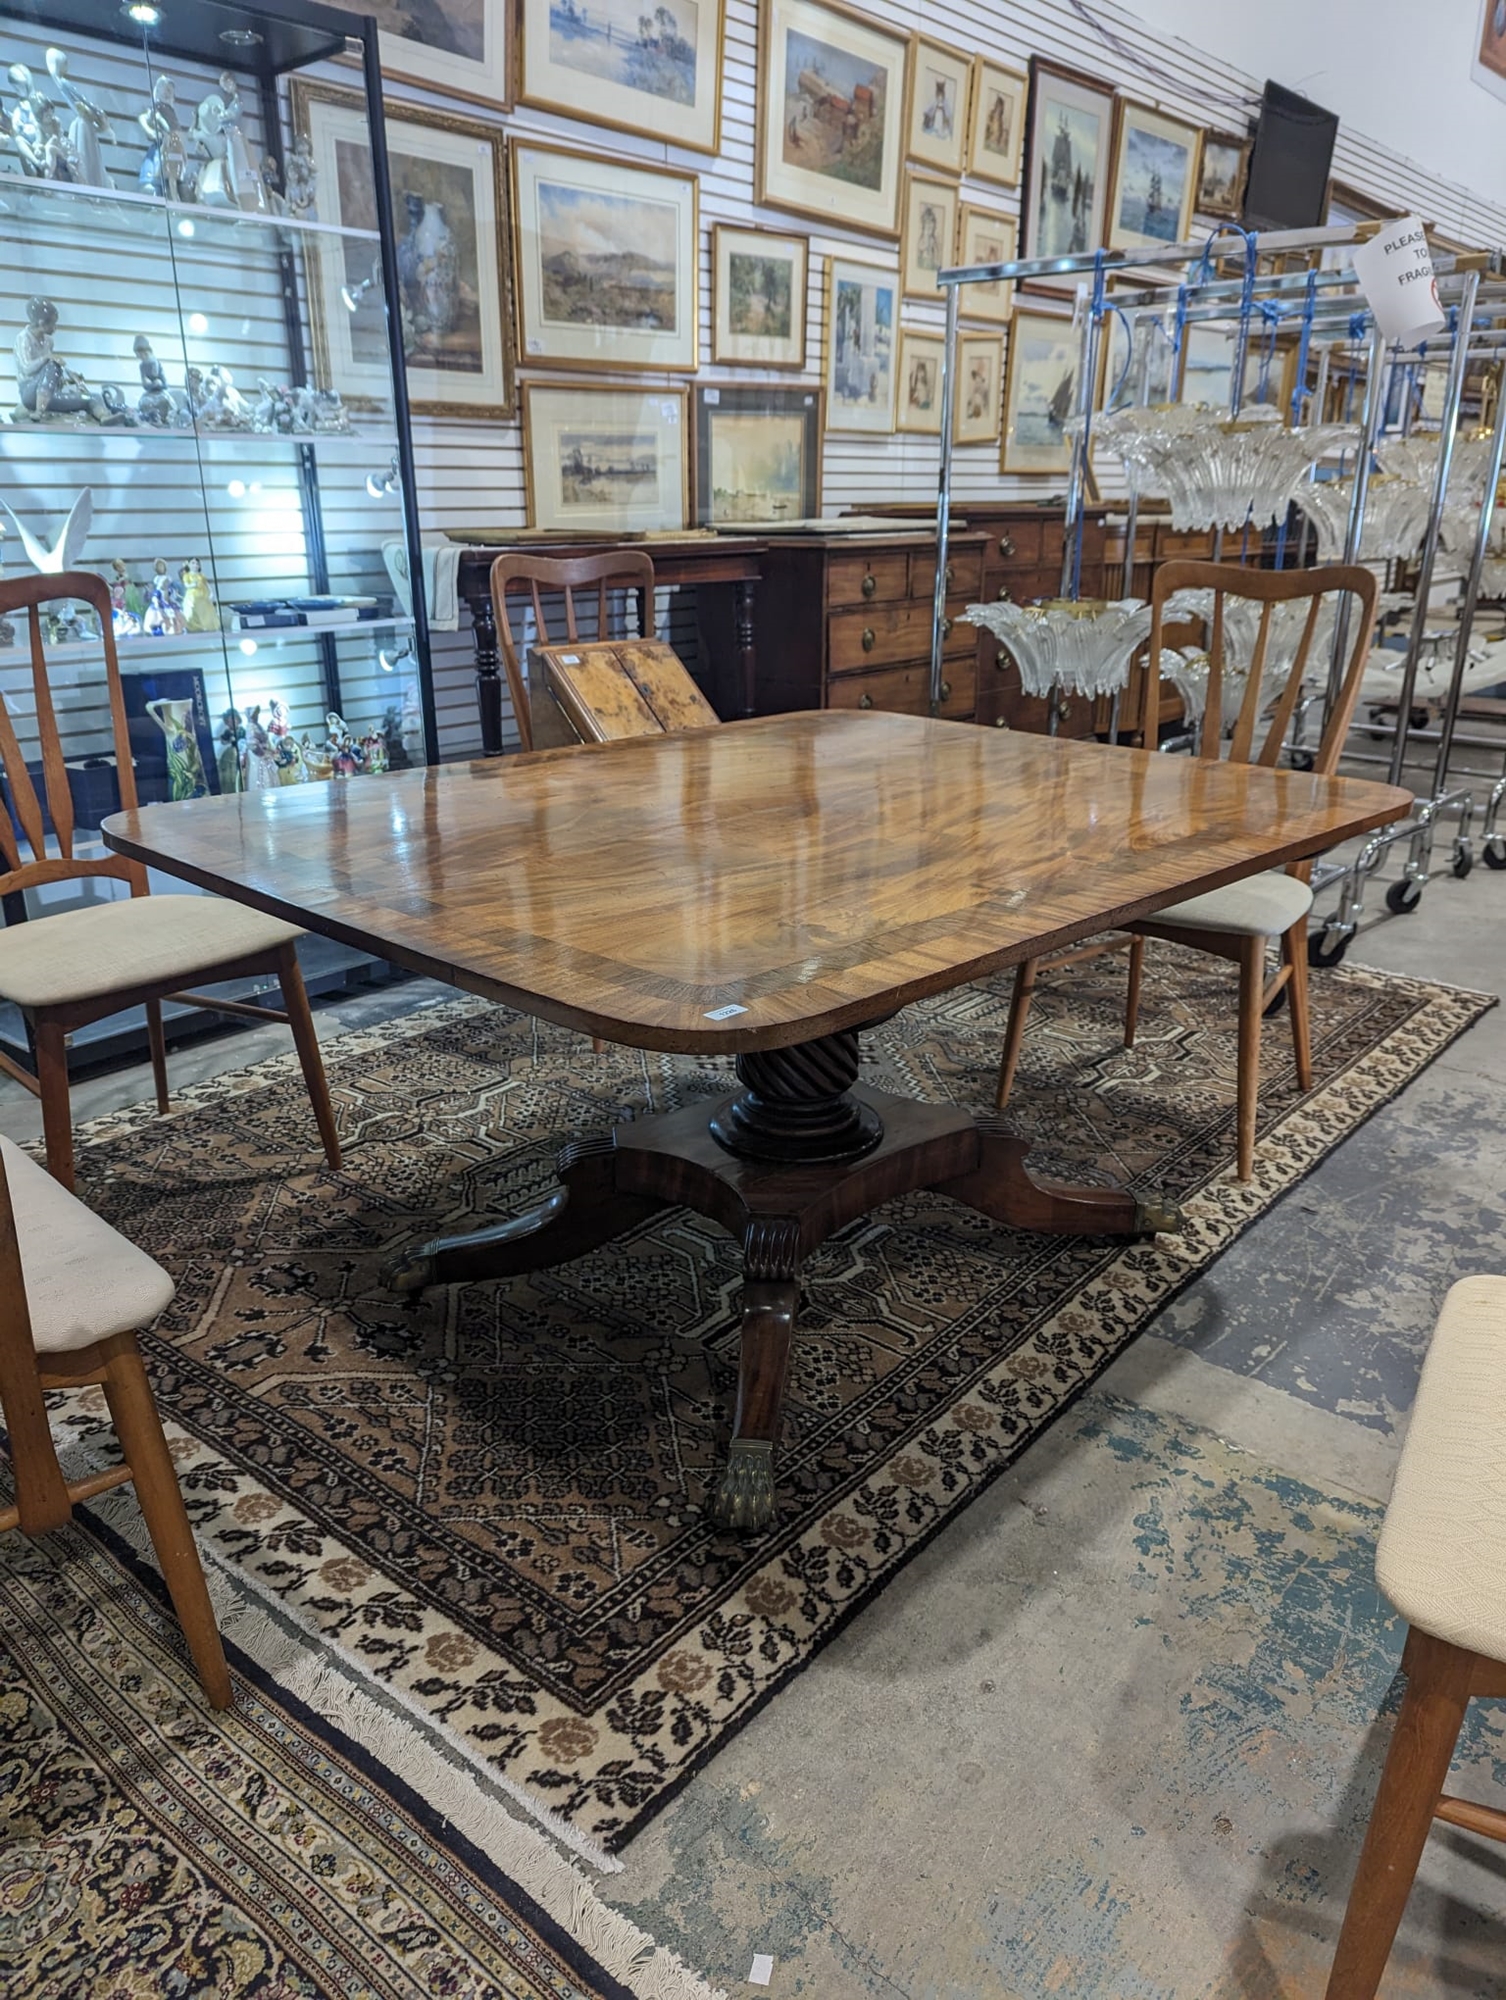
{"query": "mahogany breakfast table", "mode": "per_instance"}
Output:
(764, 889)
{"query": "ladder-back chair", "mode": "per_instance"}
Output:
(1237, 921)
(66, 970)
(613, 569)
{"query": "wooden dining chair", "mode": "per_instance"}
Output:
(1238, 921)
(72, 1294)
(1441, 1560)
(613, 569)
(66, 970)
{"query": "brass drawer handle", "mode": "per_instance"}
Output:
(1064, 711)
(1001, 661)
(870, 585)
(951, 575)
(865, 701)
(1006, 546)
(1000, 723)
(946, 690)
(946, 628)
(870, 638)
(1004, 596)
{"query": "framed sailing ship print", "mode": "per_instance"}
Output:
(1040, 392)
(831, 114)
(1221, 176)
(1068, 150)
(1155, 178)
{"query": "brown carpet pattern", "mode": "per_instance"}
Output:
(492, 1496)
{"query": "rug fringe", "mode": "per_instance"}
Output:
(449, 1778)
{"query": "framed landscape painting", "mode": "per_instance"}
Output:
(457, 46)
(1067, 155)
(758, 453)
(862, 322)
(985, 237)
(1221, 175)
(996, 135)
(929, 235)
(977, 404)
(831, 113)
(605, 460)
(608, 262)
(1040, 392)
(1155, 179)
(920, 359)
(759, 289)
(936, 121)
(640, 68)
(450, 208)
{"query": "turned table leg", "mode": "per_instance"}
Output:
(744, 1499)
(488, 673)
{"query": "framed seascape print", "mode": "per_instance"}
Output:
(457, 46)
(758, 297)
(977, 405)
(450, 215)
(1040, 392)
(920, 359)
(1154, 181)
(1221, 176)
(936, 121)
(862, 319)
(831, 114)
(929, 235)
(984, 237)
(758, 453)
(639, 68)
(608, 262)
(605, 459)
(996, 139)
(1067, 155)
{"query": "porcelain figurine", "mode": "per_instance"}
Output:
(156, 404)
(287, 751)
(186, 776)
(344, 756)
(374, 751)
(200, 612)
(89, 130)
(7, 629)
(300, 180)
(230, 762)
(222, 406)
(164, 169)
(35, 129)
(49, 387)
(62, 628)
(230, 176)
(274, 409)
(163, 618)
(271, 177)
(316, 760)
(126, 602)
(261, 763)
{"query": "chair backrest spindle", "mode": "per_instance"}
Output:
(613, 569)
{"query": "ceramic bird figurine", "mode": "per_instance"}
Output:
(64, 553)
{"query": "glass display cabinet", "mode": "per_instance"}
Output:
(201, 401)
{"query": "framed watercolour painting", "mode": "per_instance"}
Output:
(1221, 175)
(450, 207)
(862, 320)
(831, 113)
(655, 70)
(758, 297)
(605, 460)
(758, 453)
(1067, 156)
(986, 238)
(607, 262)
(920, 359)
(996, 134)
(929, 235)
(936, 120)
(1040, 392)
(457, 46)
(976, 405)
(1155, 178)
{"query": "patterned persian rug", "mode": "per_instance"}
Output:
(491, 1498)
(149, 1847)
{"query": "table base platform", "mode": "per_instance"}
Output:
(799, 1152)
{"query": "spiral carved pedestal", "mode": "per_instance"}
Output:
(796, 1105)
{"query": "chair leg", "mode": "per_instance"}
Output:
(1014, 1032)
(139, 1429)
(57, 1113)
(295, 1000)
(157, 1042)
(1132, 997)
(1251, 993)
(1294, 952)
(1438, 1677)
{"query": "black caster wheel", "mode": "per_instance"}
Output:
(1495, 852)
(1463, 861)
(1327, 948)
(1403, 897)
(1302, 760)
(1274, 1005)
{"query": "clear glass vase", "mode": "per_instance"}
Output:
(1082, 647)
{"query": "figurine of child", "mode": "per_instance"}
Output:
(126, 602)
(156, 403)
(287, 752)
(261, 763)
(165, 165)
(231, 760)
(48, 387)
(200, 612)
(374, 751)
(164, 606)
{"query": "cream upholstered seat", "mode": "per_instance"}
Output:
(83, 1280)
(72, 1291)
(1441, 1560)
(1259, 906)
(136, 941)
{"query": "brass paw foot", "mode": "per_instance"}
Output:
(412, 1272)
(744, 1501)
(1157, 1217)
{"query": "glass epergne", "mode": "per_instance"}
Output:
(1082, 646)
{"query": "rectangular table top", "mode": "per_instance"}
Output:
(760, 883)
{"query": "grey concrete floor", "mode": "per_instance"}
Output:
(1114, 1731)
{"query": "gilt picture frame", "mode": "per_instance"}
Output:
(608, 262)
(985, 236)
(654, 69)
(1154, 181)
(862, 332)
(1040, 392)
(928, 236)
(758, 452)
(977, 405)
(996, 131)
(605, 458)
(1221, 176)
(918, 401)
(937, 105)
(460, 47)
(831, 114)
(1069, 142)
(760, 290)
(449, 200)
